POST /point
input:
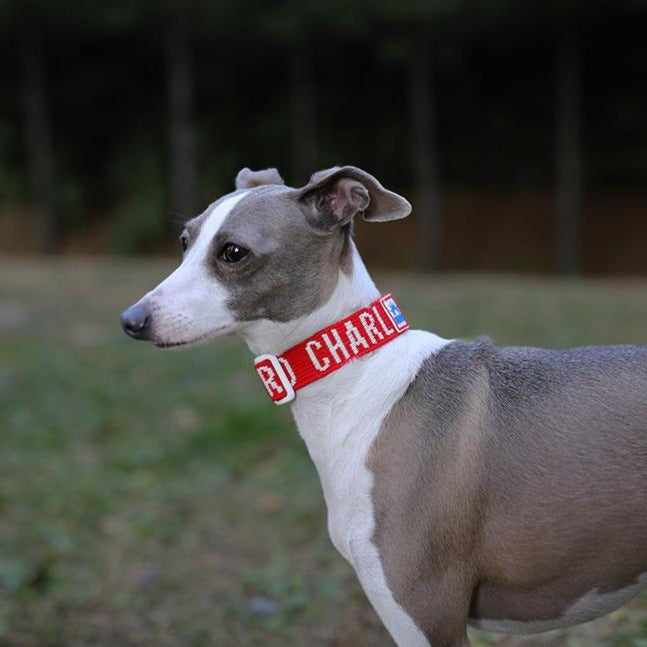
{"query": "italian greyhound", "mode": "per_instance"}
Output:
(467, 484)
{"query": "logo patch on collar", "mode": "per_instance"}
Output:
(395, 314)
(331, 348)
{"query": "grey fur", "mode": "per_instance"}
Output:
(248, 179)
(271, 223)
(283, 226)
(511, 482)
(384, 205)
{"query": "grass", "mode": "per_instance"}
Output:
(152, 498)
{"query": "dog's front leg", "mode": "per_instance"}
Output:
(445, 619)
(435, 614)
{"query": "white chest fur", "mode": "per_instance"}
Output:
(339, 418)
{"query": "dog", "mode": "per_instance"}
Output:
(467, 484)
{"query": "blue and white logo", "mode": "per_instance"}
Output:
(395, 313)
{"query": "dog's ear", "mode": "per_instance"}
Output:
(334, 196)
(248, 179)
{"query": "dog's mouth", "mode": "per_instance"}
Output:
(191, 342)
(176, 344)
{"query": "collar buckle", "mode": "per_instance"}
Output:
(275, 378)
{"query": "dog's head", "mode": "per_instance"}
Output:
(265, 251)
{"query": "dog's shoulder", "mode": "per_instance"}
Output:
(511, 376)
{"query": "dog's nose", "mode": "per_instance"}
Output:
(135, 321)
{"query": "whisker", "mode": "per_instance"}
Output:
(178, 218)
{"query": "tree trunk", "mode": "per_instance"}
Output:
(181, 132)
(38, 139)
(304, 136)
(424, 158)
(568, 156)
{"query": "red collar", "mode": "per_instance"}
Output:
(330, 349)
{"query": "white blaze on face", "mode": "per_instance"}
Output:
(191, 304)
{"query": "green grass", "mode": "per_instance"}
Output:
(151, 498)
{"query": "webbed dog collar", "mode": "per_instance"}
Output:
(330, 349)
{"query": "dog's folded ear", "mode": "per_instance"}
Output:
(337, 194)
(248, 179)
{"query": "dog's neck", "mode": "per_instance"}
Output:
(351, 293)
(313, 407)
(338, 415)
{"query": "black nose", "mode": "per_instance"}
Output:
(135, 321)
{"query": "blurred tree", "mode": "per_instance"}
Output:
(290, 26)
(429, 27)
(420, 22)
(304, 116)
(182, 147)
(568, 153)
(37, 129)
(424, 154)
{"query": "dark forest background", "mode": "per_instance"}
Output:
(518, 129)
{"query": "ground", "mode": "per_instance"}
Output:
(159, 499)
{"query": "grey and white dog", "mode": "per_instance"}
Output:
(504, 488)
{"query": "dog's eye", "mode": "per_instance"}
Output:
(184, 241)
(232, 253)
